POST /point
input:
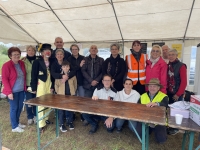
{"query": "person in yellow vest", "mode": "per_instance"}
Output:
(154, 98)
(136, 63)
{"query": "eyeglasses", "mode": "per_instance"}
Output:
(157, 51)
(16, 54)
(171, 54)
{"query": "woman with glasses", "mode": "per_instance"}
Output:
(14, 81)
(156, 67)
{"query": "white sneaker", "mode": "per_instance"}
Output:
(34, 120)
(21, 125)
(18, 129)
(30, 121)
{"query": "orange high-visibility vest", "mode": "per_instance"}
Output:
(136, 70)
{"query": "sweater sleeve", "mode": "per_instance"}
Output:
(163, 78)
(34, 75)
(5, 79)
(53, 71)
(183, 77)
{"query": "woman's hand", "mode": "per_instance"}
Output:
(151, 104)
(10, 96)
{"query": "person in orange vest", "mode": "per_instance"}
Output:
(136, 63)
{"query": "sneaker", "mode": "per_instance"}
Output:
(119, 130)
(93, 129)
(173, 131)
(18, 129)
(34, 120)
(63, 128)
(21, 125)
(30, 121)
(47, 122)
(85, 123)
(71, 126)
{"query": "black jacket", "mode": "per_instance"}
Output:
(86, 70)
(75, 68)
(39, 71)
(115, 68)
(56, 70)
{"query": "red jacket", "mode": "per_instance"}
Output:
(9, 76)
(158, 71)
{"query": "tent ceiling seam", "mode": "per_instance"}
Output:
(188, 22)
(60, 20)
(37, 4)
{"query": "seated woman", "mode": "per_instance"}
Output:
(157, 68)
(154, 98)
(127, 95)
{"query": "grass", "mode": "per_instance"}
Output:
(3, 59)
(77, 139)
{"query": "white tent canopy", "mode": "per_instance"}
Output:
(83, 21)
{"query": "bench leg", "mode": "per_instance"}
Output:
(145, 136)
(184, 140)
(57, 130)
(191, 140)
(38, 129)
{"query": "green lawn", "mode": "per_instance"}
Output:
(77, 139)
(3, 59)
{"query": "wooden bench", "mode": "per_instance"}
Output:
(128, 111)
(189, 126)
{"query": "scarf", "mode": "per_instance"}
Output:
(137, 55)
(154, 61)
(31, 58)
(171, 79)
(113, 65)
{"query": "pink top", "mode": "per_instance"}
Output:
(159, 71)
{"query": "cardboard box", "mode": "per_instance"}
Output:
(195, 108)
(185, 113)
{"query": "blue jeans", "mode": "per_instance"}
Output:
(120, 122)
(68, 114)
(30, 110)
(80, 91)
(16, 106)
(94, 119)
(89, 92)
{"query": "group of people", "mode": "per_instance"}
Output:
(153, 81)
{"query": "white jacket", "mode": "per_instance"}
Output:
(133, 97)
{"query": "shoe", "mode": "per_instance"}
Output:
(18, 129)
(173, 131)
(110, 131)
(41, 130)
(30, 121)
(85, 123)
(34, 120)
(48, 122)
(71, 126)
(63, 128)
(119, 130)
(93, 129)
(82, 119)
(21, 125)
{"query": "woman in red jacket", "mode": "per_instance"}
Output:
(157, 68)
(14, 81)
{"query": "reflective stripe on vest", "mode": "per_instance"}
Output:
(158, 98)
(134, 71)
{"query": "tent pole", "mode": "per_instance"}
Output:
(111, 2)
(19, 25)
(60, 20)
(188, 21)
